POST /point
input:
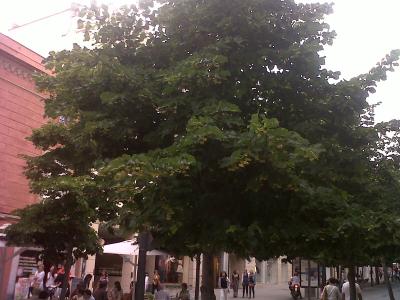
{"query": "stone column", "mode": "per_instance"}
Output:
(263, 271)
(274, 271)
(225, 262)
(187, 275)
(91, 261)
(192, 272)
(150, 266)
(127, 271)
(13, 275)
(279, 269)
(290, 271)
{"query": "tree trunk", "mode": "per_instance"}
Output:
(352, 282)
(197, 286)
(371, 275)
(141, 272)
(308, 279)
(67, 269)
(323, 277)
(207, 287)
(377, 275)
(386, 279)
(339, 274)
(391, 271)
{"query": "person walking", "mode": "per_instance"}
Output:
(87, 295)
(51, 277)
(346, 291)
(79, 295)
(104, 278)
(245, 283)
(37, 284)
(252, 283)
(58, 281)
(87, 280)
(116, 293)
(331, 291)
(80, 288)
(147, 287)
(235, 283)
(184, 293)
(224, 285)
(101, 292)
(156, 281)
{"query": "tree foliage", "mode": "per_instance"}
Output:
(215, 125)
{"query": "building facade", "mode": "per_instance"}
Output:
(175, 270)
(21, 110)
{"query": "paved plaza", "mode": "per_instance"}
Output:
(281, 292)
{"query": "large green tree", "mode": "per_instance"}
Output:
(212, 124)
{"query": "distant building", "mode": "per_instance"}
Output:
(21, 110)
(175, 270)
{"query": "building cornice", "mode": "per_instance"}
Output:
(22, 53)
(15, 68)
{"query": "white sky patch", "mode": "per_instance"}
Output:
(367, 30)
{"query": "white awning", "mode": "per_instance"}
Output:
(128, 248)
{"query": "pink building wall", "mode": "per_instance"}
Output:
(21, 110)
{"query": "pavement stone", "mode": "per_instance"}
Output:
(281, 292)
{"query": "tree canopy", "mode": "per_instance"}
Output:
(215, 125)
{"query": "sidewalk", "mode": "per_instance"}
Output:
(262, 291)
(281, 292)
(380, 292)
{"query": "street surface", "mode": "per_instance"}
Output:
(281, 292)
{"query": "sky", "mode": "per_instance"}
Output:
(366, 31)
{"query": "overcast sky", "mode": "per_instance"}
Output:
(367, 30)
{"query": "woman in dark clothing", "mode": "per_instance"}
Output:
(224, 285)
(101, 292)
(235, 283)
(245, 283)
(252, 283)
(86, 280)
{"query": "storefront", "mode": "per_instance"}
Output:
(310, 272)
(169, 268)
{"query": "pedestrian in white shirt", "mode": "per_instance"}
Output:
(331, 291)
(51, 276)
(38, 280)
(346, 291)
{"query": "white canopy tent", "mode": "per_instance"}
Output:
(128, 247)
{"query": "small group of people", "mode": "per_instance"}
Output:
(158, 290)
(103, 293)
(49, 284)
(332, 291)
(248, 284)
